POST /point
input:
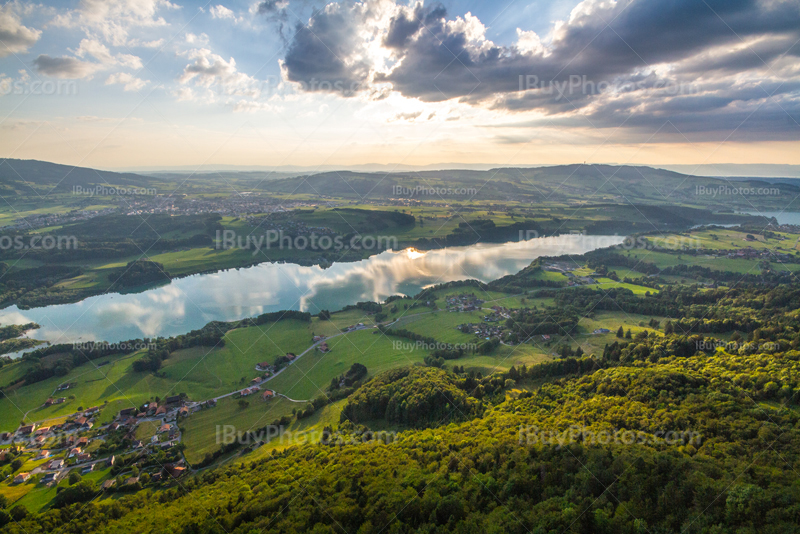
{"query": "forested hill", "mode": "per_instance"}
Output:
(563, 183)
(18, 176)
(693, 444)
(571, 184)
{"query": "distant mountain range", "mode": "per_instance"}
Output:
(568, 184)
(729, 170)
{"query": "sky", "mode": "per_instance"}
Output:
(119, 84)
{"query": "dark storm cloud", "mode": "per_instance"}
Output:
(319, 55)
(404, 26)
(271, 7)
(636, 63)
(275, 12)
(758, 55)
(750, 112)
(605, 42)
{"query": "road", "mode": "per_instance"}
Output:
(309, 349)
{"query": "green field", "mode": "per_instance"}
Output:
(310, 375)
(200, 431)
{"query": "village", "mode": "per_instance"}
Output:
(140, 440)
(80, 445)
(463, 303)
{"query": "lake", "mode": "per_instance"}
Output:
(783, 217)
(190, 303)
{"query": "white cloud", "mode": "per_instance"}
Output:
(14, 37)
(129, 81)
(156, 43)
(101, 53)
(211, 72)
(201, 39)
(114, 19)
(96, 49)
(184, 94)
(222, 12)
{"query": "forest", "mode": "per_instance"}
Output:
(665, 431)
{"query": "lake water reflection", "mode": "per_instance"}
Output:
(189, 303)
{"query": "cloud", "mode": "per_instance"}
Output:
(96, 49)
(184, 94)
(221, 12)
(215, 75)
(155, 43)
(129, 81)
(704, 65)
(201, 39)
(270, 7)
(14, 37)
(410, 116)
(333, 52)
(407, 23)
(114, 19)
(65, 67)
(76, 67)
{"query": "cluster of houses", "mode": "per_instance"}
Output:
(484, 330)
(38, 435)
(253, 389)
(167, 413)
(323, 347)
(75, 446)
(463, 303)
(170, 409)
(246, 392)
(265, 367)
(498, 314)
